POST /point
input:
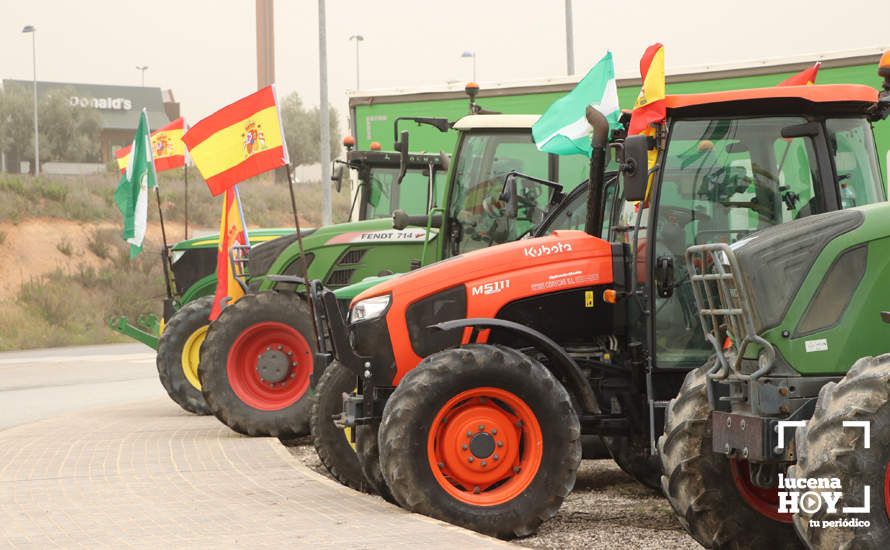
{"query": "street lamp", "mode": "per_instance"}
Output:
(142, 68)
(357, 38)
(473, 55)
(33, 31)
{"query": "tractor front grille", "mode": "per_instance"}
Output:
(339, 278)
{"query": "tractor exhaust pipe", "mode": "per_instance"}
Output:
(599, 143)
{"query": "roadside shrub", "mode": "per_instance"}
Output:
(65, 247)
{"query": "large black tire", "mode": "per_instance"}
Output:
(699, 483)
(367, 450)
(332, 443)
(426, 391)
(228, 334)
(827, 449)
(185, 329)
(634, 457)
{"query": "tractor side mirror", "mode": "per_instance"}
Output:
(402, 147)
(508, 196)
(635, 167)
(338, 174)
(807, 129)
(444, 161)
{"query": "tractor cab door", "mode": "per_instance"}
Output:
(381, 194)
(720, 180)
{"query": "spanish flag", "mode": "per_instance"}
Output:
(649, 107)
(231, 232)
(166, 145)
(239, 141)
(803, 78)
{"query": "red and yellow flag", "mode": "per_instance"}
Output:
(806, 76)
(166, 145)
(231, 232)
(650, 105)
(239, 141)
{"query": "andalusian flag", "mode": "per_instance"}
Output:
(167, 147)
(563, 128)
(806, 76)
(238, 142)
(231, 232)
(649, 107)
(131, 195)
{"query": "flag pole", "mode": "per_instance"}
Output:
(304, 268)
(185, 168)
(168, 266)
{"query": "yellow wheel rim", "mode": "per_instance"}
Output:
(191, 354)
(348, 431)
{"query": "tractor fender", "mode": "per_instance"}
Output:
(560, 361)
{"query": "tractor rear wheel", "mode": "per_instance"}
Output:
(256, 365)
(713, 496)
(483, 437)
(826, 449)
(178, 352)
(333, 444)
(633, 456)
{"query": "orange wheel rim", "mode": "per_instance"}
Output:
(485, 446)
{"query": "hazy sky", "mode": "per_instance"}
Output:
(206, 50)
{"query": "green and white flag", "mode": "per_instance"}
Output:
(563, 128)
(131, 195)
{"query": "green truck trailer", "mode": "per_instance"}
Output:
(372, 113)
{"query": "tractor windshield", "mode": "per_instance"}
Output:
(724, 179)
(476, 215)
(855, 158)
(383, 195)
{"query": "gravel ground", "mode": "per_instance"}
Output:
(607, 509)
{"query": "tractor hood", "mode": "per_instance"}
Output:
(256, 236)
(560, 247)
(368, 231)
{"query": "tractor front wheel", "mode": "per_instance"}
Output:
(826, 449)
(713, 496)
(256, 365)
(178, 352)
(483, 437)
(333, 444)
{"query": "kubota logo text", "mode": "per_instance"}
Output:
(490, 288)
(546, 250)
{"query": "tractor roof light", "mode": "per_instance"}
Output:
(375, 146)
(884, 69)
(348, 142)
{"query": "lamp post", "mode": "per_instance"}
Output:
(33, 31)
(357, 38)
(570, 40)
(142, 69)
(473, 55)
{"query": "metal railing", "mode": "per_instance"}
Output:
(725, 310)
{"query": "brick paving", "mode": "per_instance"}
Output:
(147, 475)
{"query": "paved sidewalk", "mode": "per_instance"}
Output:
(148, 475)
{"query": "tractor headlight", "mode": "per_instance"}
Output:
(370, 308)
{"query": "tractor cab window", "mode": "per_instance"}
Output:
(852, 144)
(383, 194)
(720, 181)
(477, 214)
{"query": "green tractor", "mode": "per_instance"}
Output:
(192, 275)
(259, 358)
(777, 440)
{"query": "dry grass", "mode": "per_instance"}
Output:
(72, 305)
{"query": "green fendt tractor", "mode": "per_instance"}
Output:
(193, 263)
(777, 432)
(259, 355)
